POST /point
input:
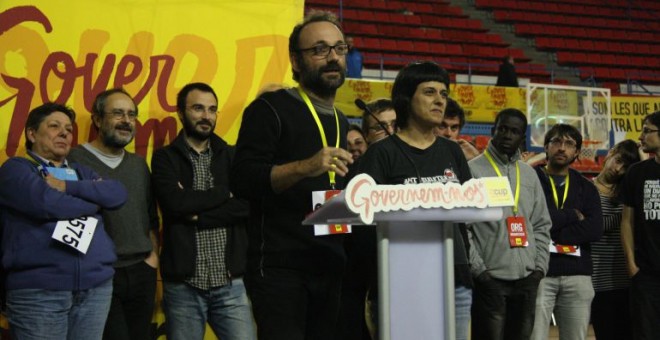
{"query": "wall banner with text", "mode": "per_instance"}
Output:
(68, 51)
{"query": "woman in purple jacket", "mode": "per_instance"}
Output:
(56, 256)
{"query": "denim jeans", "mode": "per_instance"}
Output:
(132, 307)
(57, 315)
(569, 297)
(463, 303)
(226, 309)
(504, 310)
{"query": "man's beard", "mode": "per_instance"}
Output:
(111, 140)
(189, 128)
(314, 81)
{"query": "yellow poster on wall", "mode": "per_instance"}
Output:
(68, 51)
(628, 113)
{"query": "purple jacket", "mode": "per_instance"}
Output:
(29, 211)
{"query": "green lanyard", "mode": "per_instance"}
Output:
(311, 108)
(554, 191)
(499, 174)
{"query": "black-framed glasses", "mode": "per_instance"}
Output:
(120, 114)
(382, 126)
(646, 131)
(323, 50)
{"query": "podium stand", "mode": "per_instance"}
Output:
(415, 265)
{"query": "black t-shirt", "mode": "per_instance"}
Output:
(390, 161)
(641, 190)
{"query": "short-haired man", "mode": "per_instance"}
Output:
(451, 126)
(640, 232)
(577, 220)
(375, 127)
(508, 258)
(292, 143)
(134, 226)
(357, 145)
(204, 237)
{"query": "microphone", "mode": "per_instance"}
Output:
(363, 106)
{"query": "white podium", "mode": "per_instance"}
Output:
(415, 265)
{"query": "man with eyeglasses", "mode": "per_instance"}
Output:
(509, 257)
(291, 148)
(374, 129)
(640, 232)
(134, 226)
(577, 220)
(204, 236)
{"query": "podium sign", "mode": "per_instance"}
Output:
(415, 245)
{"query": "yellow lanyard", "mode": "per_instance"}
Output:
(311, 108)
(554, 190)
(499, 174)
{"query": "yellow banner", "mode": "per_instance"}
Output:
(481, 103)
(628, 112)
(67, 51)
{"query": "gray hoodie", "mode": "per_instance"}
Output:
(489, 241)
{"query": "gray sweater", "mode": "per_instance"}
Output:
(129, 225)
(489, 241)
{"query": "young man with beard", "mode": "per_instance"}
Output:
(640, 233)
(577, 220)
(291, 143)
(134, 226)
(204, 238)
(509, 257)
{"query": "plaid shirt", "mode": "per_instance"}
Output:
(210, 267)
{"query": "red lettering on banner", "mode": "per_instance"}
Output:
(362, 89)
(60, 73)
(465, 95)
(497, 95)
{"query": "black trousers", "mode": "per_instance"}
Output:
(645, 306)
(504, 310)
(291, 304)
(132, 306)
(610, 315)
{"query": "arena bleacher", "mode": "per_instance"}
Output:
(603, 43)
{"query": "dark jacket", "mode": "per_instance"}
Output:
(567, 229)
(215, 208)
(30, 209)
(278, 128)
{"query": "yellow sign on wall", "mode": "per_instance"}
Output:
(68, 51)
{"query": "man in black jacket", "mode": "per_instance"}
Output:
(204, 238)
(577, 220)
(291, 143)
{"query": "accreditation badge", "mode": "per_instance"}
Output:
(572, 250)
(318, 198)
(517, 231)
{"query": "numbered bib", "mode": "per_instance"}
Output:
(77, 233)
(318, 198)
